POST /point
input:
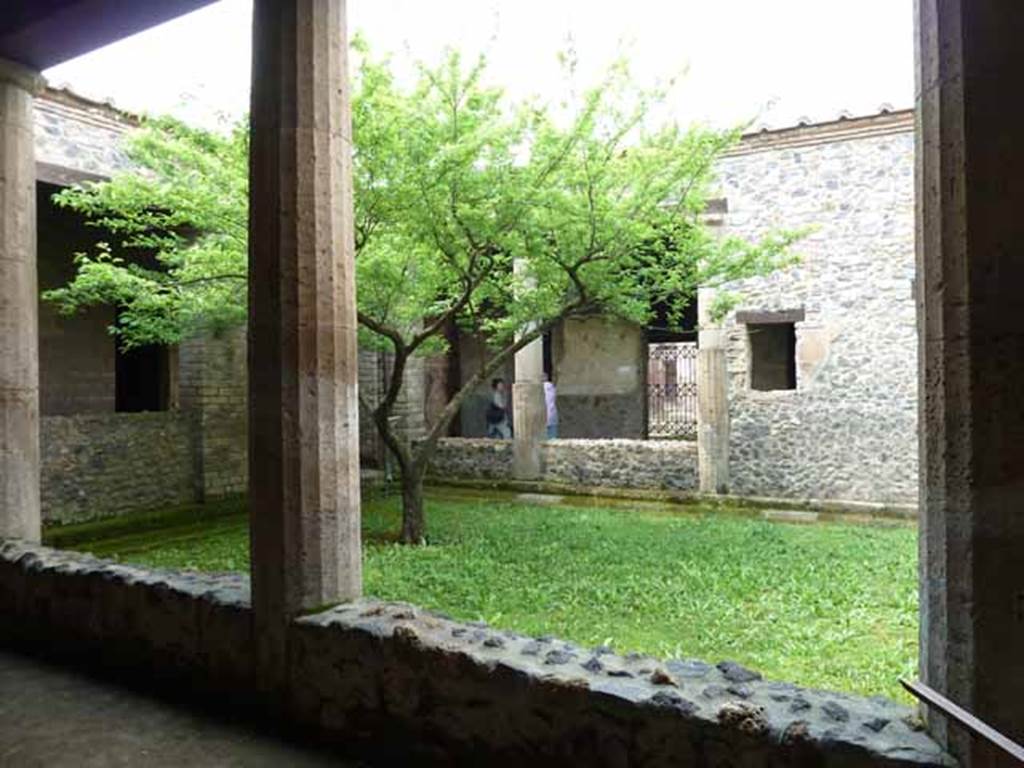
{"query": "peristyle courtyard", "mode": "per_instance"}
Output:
(698, 439)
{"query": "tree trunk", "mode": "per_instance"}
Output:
(414, 524)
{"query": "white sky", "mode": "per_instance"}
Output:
(773, 60)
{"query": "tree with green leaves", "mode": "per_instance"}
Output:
(599, 208)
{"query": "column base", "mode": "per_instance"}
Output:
(530, 429)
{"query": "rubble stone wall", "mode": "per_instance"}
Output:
(95, 465)
(652, 464)
(849, 429)
(401, 680)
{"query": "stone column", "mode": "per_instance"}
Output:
(19, 324)
(970, 196)
(529, 413)
(712, 403)
(303, 404)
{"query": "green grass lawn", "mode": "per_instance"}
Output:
(826, 605)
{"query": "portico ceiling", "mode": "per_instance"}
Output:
(42, 33)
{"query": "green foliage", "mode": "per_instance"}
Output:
(830, 605)
(500, 218)
(179, 264)
(453, 184)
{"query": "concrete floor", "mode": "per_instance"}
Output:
(57, 716)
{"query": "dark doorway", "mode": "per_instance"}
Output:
(549, 360)
(141, 376)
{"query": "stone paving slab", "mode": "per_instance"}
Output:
(57, 717)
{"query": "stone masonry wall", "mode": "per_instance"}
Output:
(79, 134)
(213, 388)
(849, 429)
(77, 357)
(651, 464)
(600, 378)
(105, 464)
(375, 368)
(370, 391)
(412, 686)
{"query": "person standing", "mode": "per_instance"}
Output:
(497, 412)
(551, 406)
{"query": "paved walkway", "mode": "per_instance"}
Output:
(56, 716)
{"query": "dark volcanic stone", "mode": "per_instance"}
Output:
(743, 691)
(835, 711)
(619, 673)
(876, 724)
(557, 657)
(797, 732)
(673, 700)
(593, 664)
(737, 673)
(800, 704)
(661, 677)
(494, 642)
(532, 648)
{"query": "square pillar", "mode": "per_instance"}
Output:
(19, 296)
(213, 387)
(529, 412)
(712, 402)
(970, 241)
(303, 377)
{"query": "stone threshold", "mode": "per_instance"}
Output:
(457, 691)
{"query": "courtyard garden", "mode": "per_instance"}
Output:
(830, 605)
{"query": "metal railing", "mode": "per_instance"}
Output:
(672, 390)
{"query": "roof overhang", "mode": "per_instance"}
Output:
(42, 33)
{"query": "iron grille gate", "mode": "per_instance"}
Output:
(672, 390)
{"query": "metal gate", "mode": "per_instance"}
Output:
(672, 390)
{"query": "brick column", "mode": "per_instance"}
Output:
(712, 403)
(212, 386)
(303, 405)
(970, 196)
(19, 323)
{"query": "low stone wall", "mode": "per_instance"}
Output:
(474, 458)
(105, 464)
(400, 680)
(649, 464)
